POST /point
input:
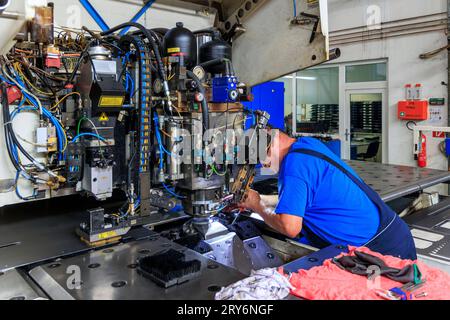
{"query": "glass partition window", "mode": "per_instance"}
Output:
(287, 94)
(318, 100)
(366, 72)
(366, 126)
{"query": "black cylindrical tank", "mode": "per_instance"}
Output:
(181, 41)
(215, 49)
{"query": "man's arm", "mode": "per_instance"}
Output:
(289, 225)
(269, 200)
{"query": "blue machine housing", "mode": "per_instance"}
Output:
(268, 97)
(447, 147)
(224, 89)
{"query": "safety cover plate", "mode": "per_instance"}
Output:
(273, 46)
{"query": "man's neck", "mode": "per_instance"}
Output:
(285, 147)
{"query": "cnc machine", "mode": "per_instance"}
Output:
(154, 115)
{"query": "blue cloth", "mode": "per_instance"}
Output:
(332, 206)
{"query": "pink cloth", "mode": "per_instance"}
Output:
(329, 282)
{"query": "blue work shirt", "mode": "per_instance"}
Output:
(332, 206)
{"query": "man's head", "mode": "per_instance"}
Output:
(278, 148)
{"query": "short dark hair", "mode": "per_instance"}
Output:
(269, 134)
(272, 127)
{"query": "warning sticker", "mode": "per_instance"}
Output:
(103, 117)
(106, 235)
(173, 50)
(111, 101)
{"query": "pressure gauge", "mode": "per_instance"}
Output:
(157, 86)
(199, 73)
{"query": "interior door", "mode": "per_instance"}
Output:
(364, 133)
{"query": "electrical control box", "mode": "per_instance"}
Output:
(413, 110)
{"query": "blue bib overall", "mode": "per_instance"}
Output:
(393, 236)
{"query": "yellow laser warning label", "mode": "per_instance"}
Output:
(173, 50)
(111, 101)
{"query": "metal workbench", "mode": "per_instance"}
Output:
(112, 274)
(394, 181)
(390, 181)
(36, 236)
(15, 286)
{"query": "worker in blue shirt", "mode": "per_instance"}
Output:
(324, 200)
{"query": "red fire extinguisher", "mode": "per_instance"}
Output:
(422, 157)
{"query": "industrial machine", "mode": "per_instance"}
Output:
(122, 117)
(153, 113)
(153, 118)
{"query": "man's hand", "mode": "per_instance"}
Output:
(286, 224)
(252, 201)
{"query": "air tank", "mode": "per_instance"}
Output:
(215, 49)
(180, 41)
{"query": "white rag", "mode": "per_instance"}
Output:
(264, 284)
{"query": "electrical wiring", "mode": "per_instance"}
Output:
(64, 98)
(61, 134)
(24, 51)
(47, 114)
(90, 122)
(62, 137)
(19, 70)
(19, 195)
(78, 64)
(31, 142)
(408, 125)
(129, 84)
(151, 36)
(12, 151)
(177, 110)
(13, 138)
(88, 134)
(11, 141)
(172, 192)
(96, 132)
(234, 123)
(158, 137)
(132, 205)
(165, 133)
(79, 124)
(22, 87)
(129, 81)
(214, 169)
(161, 152)
(18, 110)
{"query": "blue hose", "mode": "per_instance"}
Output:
(172, 192)
(88, 134)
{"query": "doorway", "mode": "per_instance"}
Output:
(364, 123)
